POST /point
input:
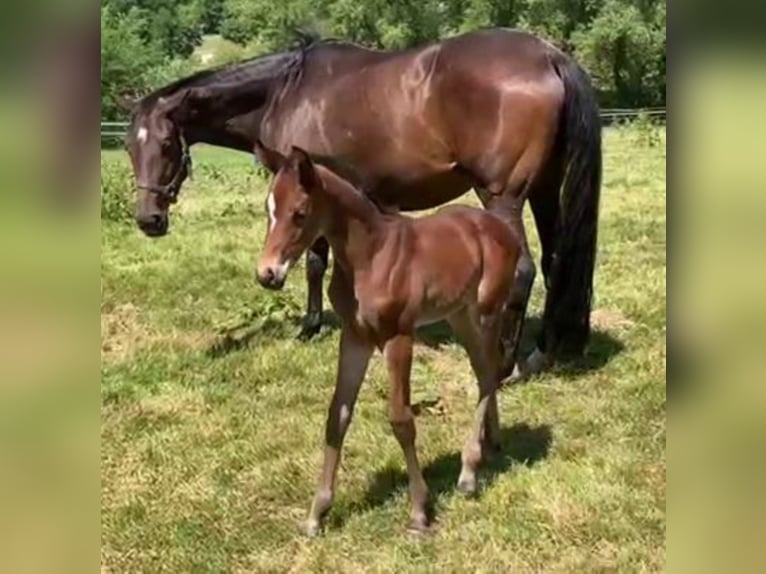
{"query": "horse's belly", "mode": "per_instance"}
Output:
(423, 192)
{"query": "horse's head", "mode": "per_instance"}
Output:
(160, 157)
(293, 214)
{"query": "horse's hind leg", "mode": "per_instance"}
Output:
(509, 207)
(316, 265)
(480, 336)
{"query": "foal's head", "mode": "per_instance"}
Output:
(292, 212)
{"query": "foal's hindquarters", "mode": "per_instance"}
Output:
(456, 265)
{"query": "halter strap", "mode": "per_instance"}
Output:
(170, 190)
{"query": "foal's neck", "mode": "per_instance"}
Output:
(350, 221)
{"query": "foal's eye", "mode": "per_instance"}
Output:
(299, 216)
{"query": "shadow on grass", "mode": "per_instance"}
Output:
(241, 336)
(602, 347)
(519, 444)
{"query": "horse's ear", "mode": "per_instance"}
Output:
(270, 158)
(179, 107)
(307, 175)
(126, 103)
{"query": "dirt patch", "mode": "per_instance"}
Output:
(123, 333)
(608, 320)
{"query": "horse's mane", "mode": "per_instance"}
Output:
(280, 63)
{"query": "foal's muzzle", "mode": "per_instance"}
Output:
(271, 278)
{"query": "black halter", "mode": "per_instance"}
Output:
(170, 190)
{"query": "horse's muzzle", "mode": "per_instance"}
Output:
(154, 225)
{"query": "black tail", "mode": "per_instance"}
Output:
(568, 304)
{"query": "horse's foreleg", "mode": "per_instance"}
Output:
(352, 365)
(316, 265)
(398, 355)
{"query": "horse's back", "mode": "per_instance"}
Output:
(457, 229)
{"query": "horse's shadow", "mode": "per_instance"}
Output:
(602, 346)
(240, 336)
(519, 444)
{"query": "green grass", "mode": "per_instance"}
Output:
(213, 413)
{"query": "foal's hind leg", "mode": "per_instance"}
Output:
(398, 355)
(480, 335)
(316, 265)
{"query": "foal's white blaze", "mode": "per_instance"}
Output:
(142, 134)
(271, 204)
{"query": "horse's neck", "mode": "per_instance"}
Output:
(351, 222)
(238, 134)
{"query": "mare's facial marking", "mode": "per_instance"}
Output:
(271, 204)
(142, 135)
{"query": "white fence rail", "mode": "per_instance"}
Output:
(114, 130)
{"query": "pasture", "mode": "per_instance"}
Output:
(213, 413)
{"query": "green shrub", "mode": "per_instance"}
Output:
(117, 196)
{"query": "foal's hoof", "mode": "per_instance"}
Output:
(467, 485)
(313, 528)
(418, 526)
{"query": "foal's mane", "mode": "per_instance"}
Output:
(347, 195)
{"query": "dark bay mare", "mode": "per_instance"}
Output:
(390, 274)
(499, 111)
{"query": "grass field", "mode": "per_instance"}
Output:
(213, 412)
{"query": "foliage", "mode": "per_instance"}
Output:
(125, 58)
(174, 27)
(116, 192)
(622, 43)
(625, 53)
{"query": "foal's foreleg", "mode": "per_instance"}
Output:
(398, 355)
(352, 365)
(316, 264)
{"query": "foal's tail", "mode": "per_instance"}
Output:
(568, 304)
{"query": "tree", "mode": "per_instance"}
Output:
(624, 49)
(125, 58)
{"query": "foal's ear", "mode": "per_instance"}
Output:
(307, 175)
(270, 158)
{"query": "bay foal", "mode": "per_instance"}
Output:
(391, 274)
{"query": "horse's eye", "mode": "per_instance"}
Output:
(299, 217)
(165, 144)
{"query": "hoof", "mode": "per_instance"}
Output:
(313, 529)
(536, 363)
(309, 331)
(467, 485)
(418, 526)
